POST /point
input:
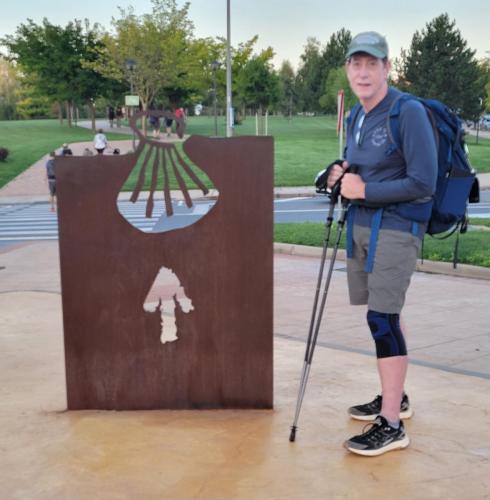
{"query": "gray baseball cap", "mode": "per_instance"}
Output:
(370, 42)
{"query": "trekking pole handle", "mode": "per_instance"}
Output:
(352, 169)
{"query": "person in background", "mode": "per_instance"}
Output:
(119, 116)
(100, 141)
(51, 179)
(155, 125)
(66, 150)
(168, 124)
(111, 115)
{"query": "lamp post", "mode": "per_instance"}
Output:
(229, 109)
(214, 66)
(130, 65)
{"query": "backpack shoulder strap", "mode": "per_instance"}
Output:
(393, 121)
(351, 120)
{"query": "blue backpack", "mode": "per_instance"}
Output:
(456, 179)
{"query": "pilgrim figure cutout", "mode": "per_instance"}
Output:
(165, 296)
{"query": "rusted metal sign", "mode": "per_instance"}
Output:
(201, 337)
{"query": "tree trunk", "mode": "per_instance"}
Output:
(143, 119)
(60, 112)
(68, 114)
(91, 108)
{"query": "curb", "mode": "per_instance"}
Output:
(428, 266)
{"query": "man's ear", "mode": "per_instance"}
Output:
(388, 68)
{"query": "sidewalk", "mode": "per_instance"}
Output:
(49, 453)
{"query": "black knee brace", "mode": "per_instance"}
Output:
(387, 335)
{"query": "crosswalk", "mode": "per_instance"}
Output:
(34, 221)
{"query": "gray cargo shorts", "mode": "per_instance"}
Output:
(384, 289)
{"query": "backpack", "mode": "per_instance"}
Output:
(456, 179)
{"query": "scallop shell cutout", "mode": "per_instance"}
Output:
(166, 190)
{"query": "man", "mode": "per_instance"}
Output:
(50, 177)
(382, 244)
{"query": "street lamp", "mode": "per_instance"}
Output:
(229, 109)
(130, 65)
(215, 66)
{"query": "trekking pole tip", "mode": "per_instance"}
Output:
(292, 436)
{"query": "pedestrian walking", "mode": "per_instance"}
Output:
(111, 115)
(119, 116)
(51, 180)
(168, 123)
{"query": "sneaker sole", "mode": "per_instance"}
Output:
(395, 445)
(371, 418)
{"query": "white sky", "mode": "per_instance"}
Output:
(282, 24)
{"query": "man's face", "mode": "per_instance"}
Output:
(367, 77)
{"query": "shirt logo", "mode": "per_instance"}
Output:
(379, 136)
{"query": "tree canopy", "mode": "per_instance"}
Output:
(440, 65)
(53, 60)
(257, 82)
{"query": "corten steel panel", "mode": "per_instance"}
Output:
(113, 354)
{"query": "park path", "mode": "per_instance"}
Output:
(32, 181)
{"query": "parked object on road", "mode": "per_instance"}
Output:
(485, 122)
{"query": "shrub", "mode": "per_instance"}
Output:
(4, 152)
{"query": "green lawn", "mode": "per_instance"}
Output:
(303, 146)
(474, 246)
(29, 140)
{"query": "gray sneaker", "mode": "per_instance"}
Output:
(369, 411)
(378, 439)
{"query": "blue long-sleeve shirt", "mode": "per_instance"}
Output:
(396, 177)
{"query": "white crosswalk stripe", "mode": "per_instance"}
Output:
(34, 221)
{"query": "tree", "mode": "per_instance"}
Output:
(159, 43)
(440, 65)
(9, 87)
(257, 83)
(287, 88)
(309, 76)
(56, 61)
(485, 69)
(333, 57)
(337, 79)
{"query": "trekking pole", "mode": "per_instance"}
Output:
(316, 319)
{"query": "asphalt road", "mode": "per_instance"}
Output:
(34, 221)
(314, 209)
